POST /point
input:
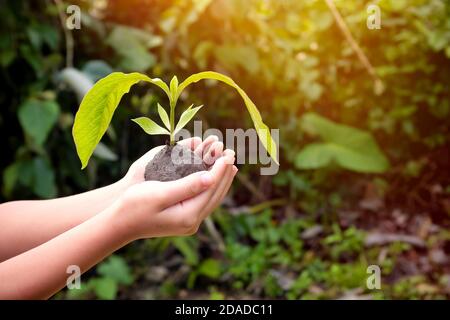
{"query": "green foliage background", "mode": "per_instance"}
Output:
(293, 61)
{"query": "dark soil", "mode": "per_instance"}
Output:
(173, 163)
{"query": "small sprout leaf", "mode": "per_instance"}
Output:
(164, 116)
(174, 89)
(186, 116)
(149, 126)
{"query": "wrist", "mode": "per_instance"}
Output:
(115, 217)
(121, 185)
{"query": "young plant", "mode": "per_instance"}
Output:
(98, 106)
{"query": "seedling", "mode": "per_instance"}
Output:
(98, 106)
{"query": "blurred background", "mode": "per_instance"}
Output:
(364, 139)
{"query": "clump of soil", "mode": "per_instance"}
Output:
(173, 163)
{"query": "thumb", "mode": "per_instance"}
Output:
(185, 188)
(147, 157)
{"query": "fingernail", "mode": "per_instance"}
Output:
(230, 152)
(229, 160)
(206, 179)
(235, 169)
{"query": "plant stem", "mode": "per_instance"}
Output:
(172, 122)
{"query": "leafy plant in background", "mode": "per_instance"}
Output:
(188, 247)
(98, 106)
(348, 147)
(341, 242)
(37, 117)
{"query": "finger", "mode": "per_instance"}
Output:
(191, 143)
(224, 188)
(194, 205)
(182, 189)
(221, 192)
(147, 157)
(206, 210)
(227, 188)
(214, 152)
(229, 156)
(186, 216)
(201, 149)
(229, 159)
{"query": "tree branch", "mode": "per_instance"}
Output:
(67, 34)
(378, 83)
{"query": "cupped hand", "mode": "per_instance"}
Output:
(155, 209)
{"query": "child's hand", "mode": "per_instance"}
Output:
(209, 150)
(155, 209)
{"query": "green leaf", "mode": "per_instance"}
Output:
(319, 155)
(7, 57)
(174, 89)
(164, 116)
(33, 58)
(44, 178)
(132, 46)
(26, 172)
(349, 147)
(82, 293)
(186, 116)
(96, 69)
(103, 152)
(38, 34)
(117, 269)
(215, 295)
(314, 156)
(37, 118)
(7, 50)
(104, 288)
(149, 126)
(98, 106)
(36, 174)
(10, 176)
(187, 248)
(234, 56)
(210, 268)
(261, 128)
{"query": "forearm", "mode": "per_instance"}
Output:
(27, 224)
(41, 272)
(147, 209)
